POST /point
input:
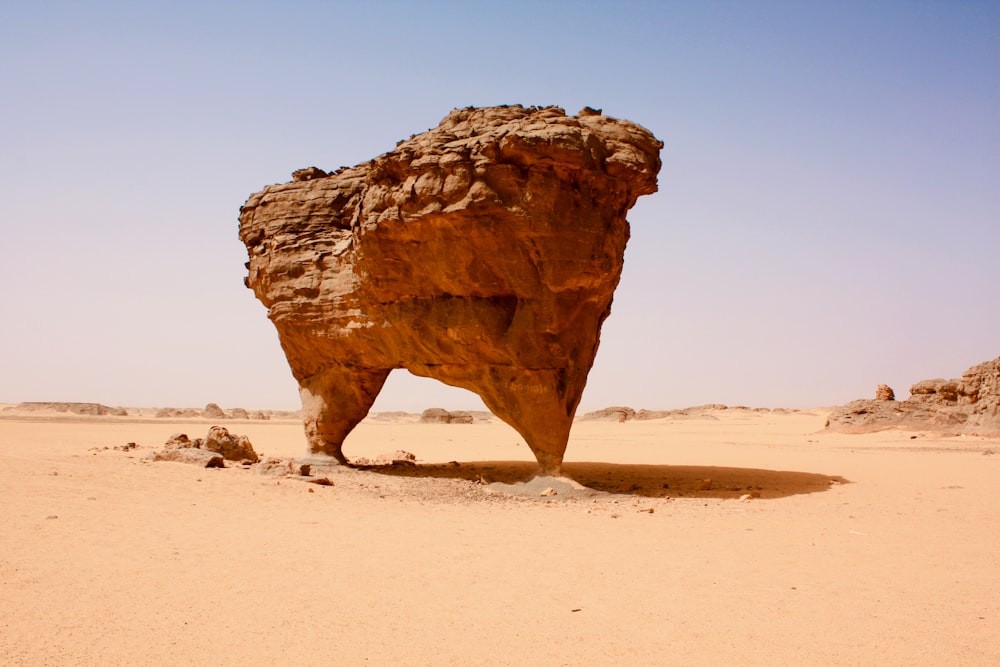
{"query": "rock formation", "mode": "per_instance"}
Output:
(442, 416)
(218, 443)
(172, 413)
(232, 447)
(483, 253)
(90, 409)
(884, 392)
(190, 455)
(616, 413)
(970, 405)
(213, 411)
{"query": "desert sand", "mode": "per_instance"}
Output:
(860, 549)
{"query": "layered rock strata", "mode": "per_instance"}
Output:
(969, 405)
(483, 253)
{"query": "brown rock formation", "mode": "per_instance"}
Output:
(232, 447)
(218, 441)
(190, 455)
(884, 393)
(970, 404)
(483, 253)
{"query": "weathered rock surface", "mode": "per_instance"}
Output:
(483, 253)
(970, 405)
(274, 466)
(190, 455)
(218, 441)
(884, 393)
(232, 447)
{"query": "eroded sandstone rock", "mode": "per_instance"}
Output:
(884, 393)
(190, 455)
(232, 447)
(483, 253)
(219, 440)
(970, 404)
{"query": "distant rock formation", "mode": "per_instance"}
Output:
(884, 393)
(970, 405)
(170, 413)
(442, 416)
(483, 253)
(213, 411)
(612, 414)
(623, 414)
(92, 409)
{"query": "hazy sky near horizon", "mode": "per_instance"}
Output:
(828, 216)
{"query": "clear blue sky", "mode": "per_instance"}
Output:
(828, 215)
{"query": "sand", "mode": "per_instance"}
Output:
(868, 549)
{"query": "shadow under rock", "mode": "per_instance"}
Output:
(651, 481)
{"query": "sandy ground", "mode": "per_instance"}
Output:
(876, 549)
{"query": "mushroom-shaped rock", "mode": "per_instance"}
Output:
(483, 253)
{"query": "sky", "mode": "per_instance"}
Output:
(828, 216)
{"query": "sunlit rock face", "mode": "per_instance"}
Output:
(483, 253)
(969, 404)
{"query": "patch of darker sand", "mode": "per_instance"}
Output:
(651, 481)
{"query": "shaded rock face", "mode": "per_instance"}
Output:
(970, 404)
(483, 253)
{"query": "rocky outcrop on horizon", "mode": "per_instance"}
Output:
(483, 253)
(624, 413)
(91, 409)
(612, 414)
(442, 416)
(967, 405)
(173, 413)
(884, 393)
(213, 411)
